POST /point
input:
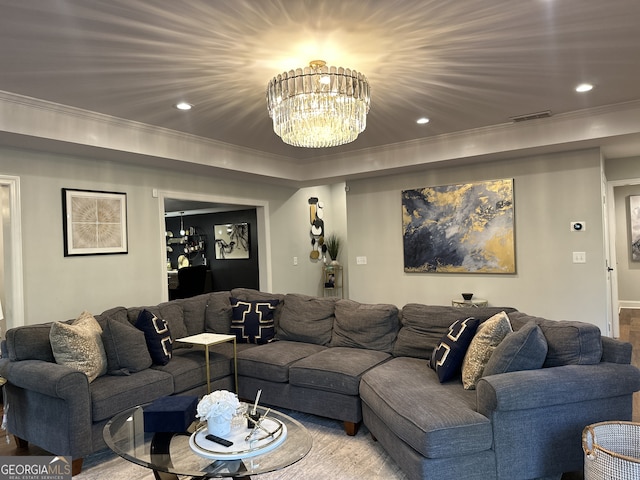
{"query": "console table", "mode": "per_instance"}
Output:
(474, 302)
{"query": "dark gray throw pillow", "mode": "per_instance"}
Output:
(125, 347)
(525, 349)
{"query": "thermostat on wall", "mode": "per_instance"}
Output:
(578, 226)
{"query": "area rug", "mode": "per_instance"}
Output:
(334, 454)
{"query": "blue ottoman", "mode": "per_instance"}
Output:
(170, 414)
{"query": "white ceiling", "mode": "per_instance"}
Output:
(465, 64)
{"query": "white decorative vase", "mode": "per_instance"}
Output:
(218, 426)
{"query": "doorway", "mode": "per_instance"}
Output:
(626, 272)
(11, 284)
(172, 203)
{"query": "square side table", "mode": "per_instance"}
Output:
(207, 340)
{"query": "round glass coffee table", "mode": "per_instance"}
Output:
(170, 455)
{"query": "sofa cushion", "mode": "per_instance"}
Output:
(337, 369)
(30, 342)
(360, 325)
(193, 313)
(525, 349)
(111, 394)
(424, 325)
(437, 420)
(171, 312)
(189, 369)
(569, 342)
(271, 361)
(448, 355)
(218, 314)
(78, 345)
(487, 338)
(306, 319)
(125, 347)
(252, 320)
(157, 335)
(119, 314)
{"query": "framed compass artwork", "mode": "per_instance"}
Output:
(94, 222)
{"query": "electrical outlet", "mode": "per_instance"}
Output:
(579, 257)
(361, 260)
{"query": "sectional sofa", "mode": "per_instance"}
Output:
(519, 415)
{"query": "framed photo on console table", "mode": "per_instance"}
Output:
(94, 222)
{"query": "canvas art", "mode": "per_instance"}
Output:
(464, 228)
(634, 226)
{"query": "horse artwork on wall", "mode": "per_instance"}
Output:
(466, 228)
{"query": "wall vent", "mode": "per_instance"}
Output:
(531, 116)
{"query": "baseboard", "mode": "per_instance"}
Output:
(628, 304)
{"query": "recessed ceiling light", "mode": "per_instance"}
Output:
(584, 87)
(184, 106)
(422, 121)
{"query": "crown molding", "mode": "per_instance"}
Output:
(54, 127)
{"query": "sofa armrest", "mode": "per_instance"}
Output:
(555, 386)
(538, 415)
(38, 390)
(47, 378)
(616, 351)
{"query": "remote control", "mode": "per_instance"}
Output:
(221, 441)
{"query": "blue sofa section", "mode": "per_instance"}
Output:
(356, 363)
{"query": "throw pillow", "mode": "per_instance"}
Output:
(157, 335)
(525, 349)
(252, 321)
(125, 347)
(448, 355)
(487, 338)
(78, 345)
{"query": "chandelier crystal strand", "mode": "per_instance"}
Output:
(318, 106)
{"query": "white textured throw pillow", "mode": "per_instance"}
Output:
(78, 345)
(487, 338)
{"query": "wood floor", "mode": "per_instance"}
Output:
(629, 331)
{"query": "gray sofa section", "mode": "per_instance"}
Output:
(356, 363)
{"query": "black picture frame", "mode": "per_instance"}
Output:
(94, 222)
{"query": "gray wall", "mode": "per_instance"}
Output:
(550, 191)
(58, 287)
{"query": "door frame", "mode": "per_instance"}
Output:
(14, 283)
(612, 227)
(262, 220)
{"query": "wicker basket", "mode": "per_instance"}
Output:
(611, 451)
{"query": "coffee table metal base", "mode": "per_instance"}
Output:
(162, 458)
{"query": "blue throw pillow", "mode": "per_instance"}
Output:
(157, 335)
(448, 355)
(252, 321)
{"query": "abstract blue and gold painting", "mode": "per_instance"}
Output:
(465, 228)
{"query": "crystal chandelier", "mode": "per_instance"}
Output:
(318, 106)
